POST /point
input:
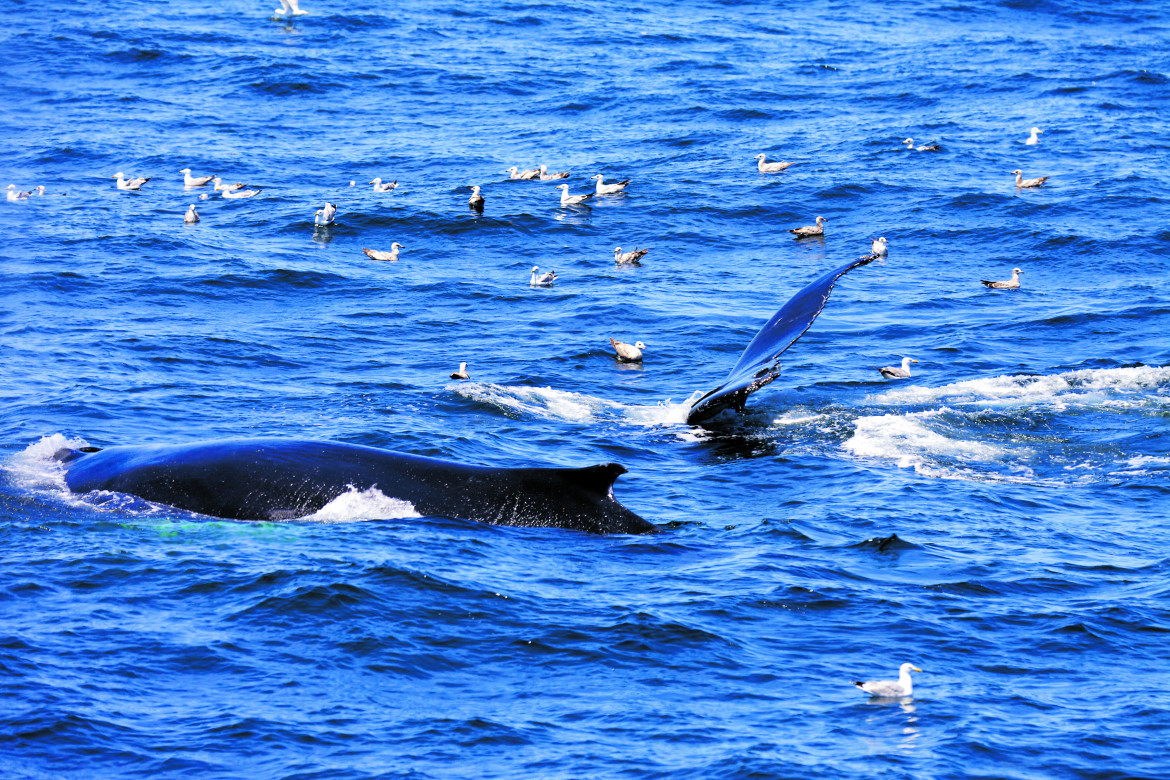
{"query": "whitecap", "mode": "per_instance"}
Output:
(550, 403)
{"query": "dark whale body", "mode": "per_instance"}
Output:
(279, 479)
(758, 365)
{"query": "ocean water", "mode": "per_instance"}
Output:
(1001, 519)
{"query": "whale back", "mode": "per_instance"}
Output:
(758, 366)
(277, 479)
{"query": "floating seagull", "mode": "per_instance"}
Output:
(290, 5)
(808, 231)
(194, 181)
(131, 184)
(609, 189)
(903, 686)
(476, 200)
(767, 167)
(15, 194)
(1022, 182)
(354, 183)
(1010, 284)
(572, 200)
(324, 216)
(390, 257)
(879, 248)
(924, 148)
(628, 353)
(461, 373)
(544, 280)
(1035, 137)
(219, 185)
(893, 372)
(240, 193)
(517, 174)
(192, 216)
(380, 187)
(629, 258)
(546, 176)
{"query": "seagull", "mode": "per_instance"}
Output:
(219, 185)
(1010, 284)
(808, 231)
(767, 167)
(517, 174)
(628, 353)
(192, 216)
(1022, 182)
(38, 190)
(879, 248)
(194, 181)
(893, 372)
(290, 5)
(380, 187)
(476, 200)
(131, 184)
(924, 148)
(390, 257)
(544, 280)
(609, 189)
(629, 258)
(461, 373)
(1035, 137)
(903, 686)
(324, 216)
(572, 200)
(546, 176)
(240, 193)
(15, 194)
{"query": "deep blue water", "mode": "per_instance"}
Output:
(1024, 468)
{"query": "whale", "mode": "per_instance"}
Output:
(759, 364)
(284, 479)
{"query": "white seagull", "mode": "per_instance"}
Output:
(461, 373)
(544, 280)
(1010, 284)
(903, 686)
(546, 176)
(192, 216)
(129, 184)
(15, 194)
(290, 5)
(879, 247)
(609, 189)
(924, 148)
(767, 167)
(1035, 137)
(808, 231)
(1022, 182)
(893, 372)
(194, 181)
(219, 185)
(628, 353)
(475, 202)
(572, 200)
(518, 174)
(389, 257)
(629, 258)
(232, 194)
(380, 187)
(323, 216)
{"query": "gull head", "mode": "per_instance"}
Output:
(907, 668)
(1018, 172)
(1016, 271)
(185, 170)
(562, 186)
(598, 176)
(821, 220)
(760, 156)
(1036, 130)
(639, 345)
(118, 175)
(909, 142)
(535, 268)
(396, 245)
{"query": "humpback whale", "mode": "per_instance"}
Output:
(280, 479)
(758, 364)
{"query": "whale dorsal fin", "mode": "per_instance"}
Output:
(597, 479)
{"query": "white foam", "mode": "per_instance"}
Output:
(34, 468)
(1119, 387)
(554, 404)
(910, 440)
(356, 505)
